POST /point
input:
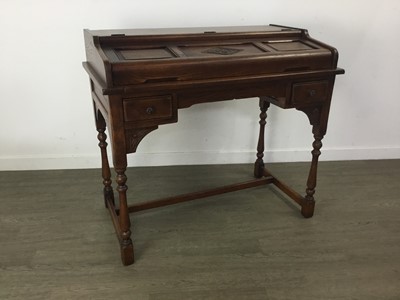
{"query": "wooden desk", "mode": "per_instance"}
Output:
(141, 78)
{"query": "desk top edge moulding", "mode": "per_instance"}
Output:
(140, 78)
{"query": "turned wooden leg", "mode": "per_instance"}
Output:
(307, 207)
(259, 164)
(124, 221)
(105, 167)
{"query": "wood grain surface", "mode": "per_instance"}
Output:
(57, 241)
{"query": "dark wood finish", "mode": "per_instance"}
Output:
(102, 137)
(141, 78)
(307, 207)
(259, 164)
(200, 194)
(124, 221)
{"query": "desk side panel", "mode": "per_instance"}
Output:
(97, 60)
(333, 50)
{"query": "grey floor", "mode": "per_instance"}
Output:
(57, 240)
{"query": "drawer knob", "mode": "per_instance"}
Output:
(150, 110)
(312, 93)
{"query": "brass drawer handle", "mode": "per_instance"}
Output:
(150, 110)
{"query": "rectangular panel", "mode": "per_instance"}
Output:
(138, 54)
(221, 50)
(289, 46)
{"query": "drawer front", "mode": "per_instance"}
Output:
(310, 92)
(148, 108)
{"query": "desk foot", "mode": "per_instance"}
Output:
(307, 208)
(127, 256)
(125, 242)
(258, 169)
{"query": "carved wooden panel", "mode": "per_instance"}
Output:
(221, 50)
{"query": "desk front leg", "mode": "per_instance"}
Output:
(126, 244)
(120, 216)
(318, 117)
(307, 207)
(121, 222)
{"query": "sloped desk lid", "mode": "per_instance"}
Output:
(142, 56)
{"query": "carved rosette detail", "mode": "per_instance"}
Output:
(222, 51)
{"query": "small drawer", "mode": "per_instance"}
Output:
(148, 108)
(310, 92)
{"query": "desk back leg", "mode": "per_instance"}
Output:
(259, 164)
(105, 167)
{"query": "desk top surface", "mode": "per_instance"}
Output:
(191, 30)
(134, 45)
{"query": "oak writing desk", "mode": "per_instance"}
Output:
(141, 78)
